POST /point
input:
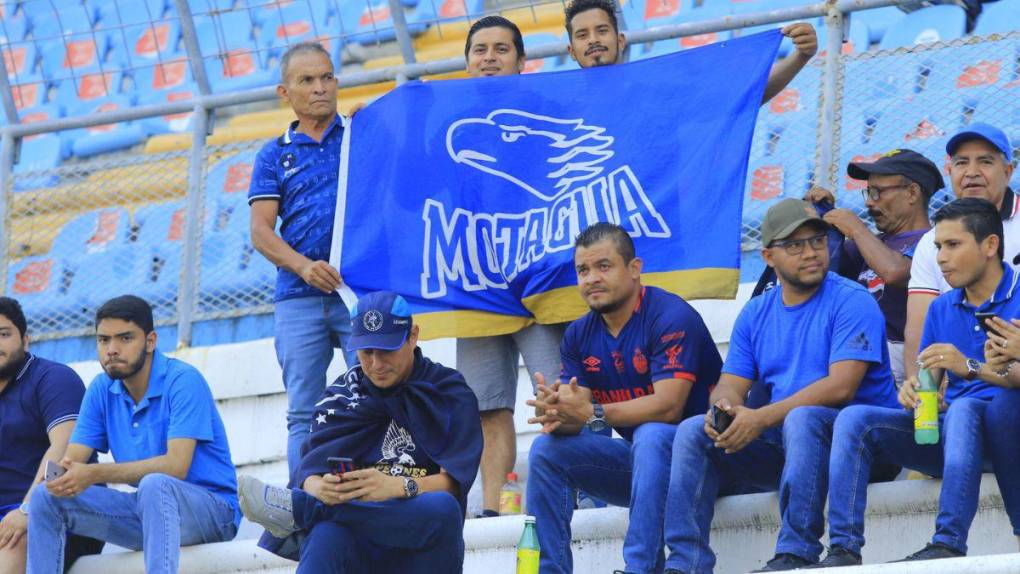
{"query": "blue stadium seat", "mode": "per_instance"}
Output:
(110, 137)
(449, 9)
(29, 91)
(175, 123)
(167, 75)
(40, 284)
(91, 285)
(231, 268)
(43, 152)
(75, 54)
(226, 189)
(995, 105)
(927, 25)
(88, 87)
(1000, 17)
(13, 27)
(75, 18)
(878, 21)
(141, 44)
(20, 59)
(92, 232)
(375, 24)
(208, 6)
(648, 13)
(224, 32)
(769, 180)
(228, 47)
(532, 66)
(643, 51)
(117, 13)
(282, 26)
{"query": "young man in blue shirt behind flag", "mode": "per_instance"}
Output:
(157, 417)
(639, 361)
(817, 343)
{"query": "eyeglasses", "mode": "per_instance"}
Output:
(796, 246)
(873, 192)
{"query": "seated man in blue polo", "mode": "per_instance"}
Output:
(817, 343)
(968, 235)
(639, 361)
(39, 402)
(157, 418)
(394, 448)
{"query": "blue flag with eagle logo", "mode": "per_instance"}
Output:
(465, 196)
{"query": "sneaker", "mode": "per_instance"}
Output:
(838, 556)
(933, 551)
(783, 562)
(269, 506)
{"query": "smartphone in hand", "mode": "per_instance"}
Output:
(981, 318)
(720, 419)
(338, 465)
(53, 470)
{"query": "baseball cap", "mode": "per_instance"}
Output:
(380, 320)
(783, 218)
(980, 131)
(905, 162)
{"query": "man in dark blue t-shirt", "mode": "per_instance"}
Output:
(641, 360)
(410, 437)
(816, 343)
(295, 179)
(968, 235)
(39, 403)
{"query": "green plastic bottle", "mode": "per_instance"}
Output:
(926, 414)
(527, 548)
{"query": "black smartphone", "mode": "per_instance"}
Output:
(981, 317)
(720, 419)
(338, 465)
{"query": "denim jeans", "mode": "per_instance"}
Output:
(633, 474)
(794, 459)
(866, 435)
(307, 330)
(421, 535)
(163, 515)
(1002, 427)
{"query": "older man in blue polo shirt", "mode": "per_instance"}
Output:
(157, 417)
(39, 402)
(969, 238)
(295, 179)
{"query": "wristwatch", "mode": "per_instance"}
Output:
(597, 421)
(973, 368)
(410, 488)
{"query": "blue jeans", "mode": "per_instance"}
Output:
(866, 435)
(307, 330)
(633, 474)
(163, 515)
(1002, 427)
(421, 535)
(794, 459)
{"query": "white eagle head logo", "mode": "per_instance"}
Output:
(511, 143)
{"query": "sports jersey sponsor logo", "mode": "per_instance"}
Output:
(618, 361)
(578, 181)
(640, 362)
(672, 356)
(373, 321)
(860, 342)
(674, 336)
(591, 364)
(605, 396)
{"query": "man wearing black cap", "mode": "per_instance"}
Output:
(393, 451)
(900, 185)
(980, 166)
(816, 343)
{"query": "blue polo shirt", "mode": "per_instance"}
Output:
(41, 396)
(665, 338)
(951, 320)
(788, 348)
(302, 175)
(177, 404)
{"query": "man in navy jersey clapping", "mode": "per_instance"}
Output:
(639, 362)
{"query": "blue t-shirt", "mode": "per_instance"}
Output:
(41, 396)
(951, 320)
(665, 338)
(301, 174)
(177, 404)
(789, 348)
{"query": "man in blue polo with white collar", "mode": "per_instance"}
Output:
(158, 419)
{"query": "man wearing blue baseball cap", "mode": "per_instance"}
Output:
(980, 166)
(394, 448)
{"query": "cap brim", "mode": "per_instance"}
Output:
(964, 137)
(789, 229)
(381, 341)
(863, 170)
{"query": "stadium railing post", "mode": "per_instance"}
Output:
(828, 139)
(7, 145)
(403, 36)
(188, 287)
(190, 38)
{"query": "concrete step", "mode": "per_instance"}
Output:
(900, 520)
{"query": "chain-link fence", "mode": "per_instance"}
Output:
(81, 229)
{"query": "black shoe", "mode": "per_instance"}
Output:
(785, 562)
(838, 556)
(933, 551)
